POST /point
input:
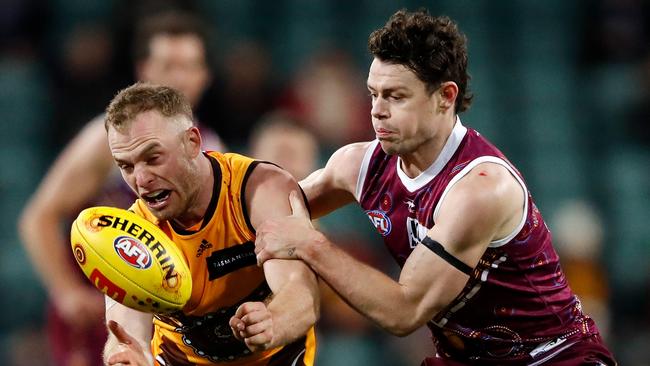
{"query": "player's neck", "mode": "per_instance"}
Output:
(417, 161)
(199, 206)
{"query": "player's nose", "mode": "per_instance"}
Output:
(379, 109)
(143, 176)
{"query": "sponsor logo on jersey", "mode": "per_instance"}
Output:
(416, 231)
(411, 205)
(386, 202)
(381, 221)
(132, 252)
(459, 167)
(205, 245)
(224, 261)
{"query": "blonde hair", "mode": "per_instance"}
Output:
(143, 97)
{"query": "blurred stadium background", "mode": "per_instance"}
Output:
(562, 87)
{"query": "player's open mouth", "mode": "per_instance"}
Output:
(156, 198)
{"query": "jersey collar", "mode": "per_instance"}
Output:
(454, 140)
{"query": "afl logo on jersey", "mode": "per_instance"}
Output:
(132, 252)
(381, 221)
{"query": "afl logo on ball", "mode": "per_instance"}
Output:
(380, 220)
(132, 252)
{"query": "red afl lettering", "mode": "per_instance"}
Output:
(107, 286)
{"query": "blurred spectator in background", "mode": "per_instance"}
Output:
(618, 30)
(19, 34)
(579, 237)
(636, 121)
(83, 64)
(170, 49)
(281, 140)
(328, 93)
(28, 349)
(241, 94)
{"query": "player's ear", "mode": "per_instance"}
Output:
(448, 93)
(192, 141)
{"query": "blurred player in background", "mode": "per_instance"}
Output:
(210, 205)
(478, 265)
(170, 49)
(280, 139)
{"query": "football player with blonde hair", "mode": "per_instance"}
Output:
(210, 205)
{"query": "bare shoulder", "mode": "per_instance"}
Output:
(489, 181)
(482, 204)
(334, 185)
(345, 163)
(351, 154)
(267, 192)
(269, 178)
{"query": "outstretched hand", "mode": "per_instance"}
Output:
(130, 351)
(253, 324)
(285, 237)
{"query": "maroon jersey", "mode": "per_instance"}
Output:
(517, 306)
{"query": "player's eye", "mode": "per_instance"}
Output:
(125, 167)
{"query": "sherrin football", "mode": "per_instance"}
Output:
(131, 260)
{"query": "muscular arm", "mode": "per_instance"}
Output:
(477, 210)
(334, 185)
(73, 179)
(295, 301)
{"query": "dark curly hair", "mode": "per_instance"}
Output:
(432, 47)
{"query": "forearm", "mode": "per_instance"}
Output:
(295, 309)
(48, 250)
(137, 324)
(373, 294)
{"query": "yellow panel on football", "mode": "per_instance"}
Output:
(131, 260)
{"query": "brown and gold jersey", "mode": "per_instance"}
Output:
(221, 257)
